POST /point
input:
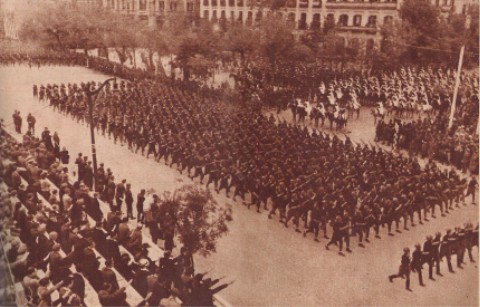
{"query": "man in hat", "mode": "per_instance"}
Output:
(110, 297)
(108, 275)
(58, 264)
(167, 267)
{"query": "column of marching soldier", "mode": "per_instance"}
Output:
(439, 192)
(435, 249)
(305, 176)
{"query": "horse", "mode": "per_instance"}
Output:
(378, 112)
(316, 114)
(353, 106)
(425, 108)
(302, 113)
(341, 120)
(337, 116)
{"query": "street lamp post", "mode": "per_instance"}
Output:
(90, 93)
(457, 77)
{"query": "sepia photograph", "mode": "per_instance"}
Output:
(239, 153)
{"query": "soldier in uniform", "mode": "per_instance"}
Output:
(447, 242)
(337, 236)
(470, 236)
(314, 224)
(428, 254)
(358, 222)
(31, 123)
(472, 188)
(152, 147)
(404, 270)
(417, 263)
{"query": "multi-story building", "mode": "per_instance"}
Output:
(352, 18)
(306, 14)
(154, 11)
(86, 3)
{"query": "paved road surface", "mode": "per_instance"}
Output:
(271, 265)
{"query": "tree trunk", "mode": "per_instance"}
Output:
(172, 70)
(186, 73)
(122, 56)
(106, 53)
(160, 68)
(134, 59)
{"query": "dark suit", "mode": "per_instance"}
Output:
(129, 202)
(110, 277)
(93, 209)
(99, 236)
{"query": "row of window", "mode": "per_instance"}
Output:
(142, 5)
(365, 1)
(290, 3)
(250, 3)
(444, 2)
(343, 19)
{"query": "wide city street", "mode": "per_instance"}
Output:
(271, 265)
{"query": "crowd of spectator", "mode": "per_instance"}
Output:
(63, 248)
(430, 138)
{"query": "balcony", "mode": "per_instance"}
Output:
(357, 29)
(361, 5)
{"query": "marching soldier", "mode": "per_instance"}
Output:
(337, 237)
(417, 264)
(447, 241)
(436, 243)
(428, 253)
(404, 270)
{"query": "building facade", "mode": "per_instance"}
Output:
(153, 11)
(352, 18)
